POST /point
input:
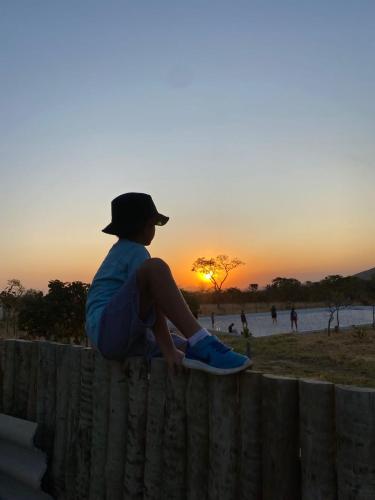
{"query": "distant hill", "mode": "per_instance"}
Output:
(366, 275)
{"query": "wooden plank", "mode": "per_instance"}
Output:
(250, 467)
(100, 418)
(355, 427)
(82, 479)
(9, 376)
(22, 377)
(63, 367)
(33, 377)
(72, 434)
(2, 368)
(317, 438)
(137, 374)
(46, 405)
(155, 430)
(116, 444)
(280, 433)
(197, 435)
(224, 437)
(174, 453)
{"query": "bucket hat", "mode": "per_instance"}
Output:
(131, 211)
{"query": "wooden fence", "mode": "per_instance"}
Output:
(130, 431)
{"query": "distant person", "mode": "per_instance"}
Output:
(243, 319)
(233, 330)
(274, 315)
(294, 319)
(132, 295)
(213, 320)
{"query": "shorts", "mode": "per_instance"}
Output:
(122, 333)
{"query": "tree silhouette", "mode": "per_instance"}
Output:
(216, 269)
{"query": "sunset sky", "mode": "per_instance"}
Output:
(251, 124)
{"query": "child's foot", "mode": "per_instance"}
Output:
(212, 356)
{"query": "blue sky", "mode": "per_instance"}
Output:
(251, 124)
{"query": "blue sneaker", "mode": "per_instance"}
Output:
(212, 356)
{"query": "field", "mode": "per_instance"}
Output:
(346, 357)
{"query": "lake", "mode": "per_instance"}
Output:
(309, 320)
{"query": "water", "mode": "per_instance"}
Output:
(309, 320)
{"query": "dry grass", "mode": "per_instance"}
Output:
(347, 357)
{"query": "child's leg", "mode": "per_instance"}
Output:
(157, 286)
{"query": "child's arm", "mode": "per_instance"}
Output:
(172, 356)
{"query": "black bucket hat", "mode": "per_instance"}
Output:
(131, 211)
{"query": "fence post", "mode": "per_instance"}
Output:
(33, 380)
(9, 376)
(62, 402)
(116, 443)
(82, 480)
(280, 433)
(223, 435)
(22, 377)
(46, 405)
(2, 360)
(155, 430)
(250, 469)
(72, 436)
(174, 452)
(137, 373)
(317, 438)
(197, 435)
(100, 418)
(355, 424)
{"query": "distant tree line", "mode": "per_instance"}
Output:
(331, 289)
(60, 313)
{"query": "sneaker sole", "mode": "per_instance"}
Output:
(198, 365)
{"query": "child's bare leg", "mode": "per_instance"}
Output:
(157, 286)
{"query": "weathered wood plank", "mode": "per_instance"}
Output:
(33, 379)
(100, 419)
(63, 367)
(22, 377)
(155, 430)
(355, 424)
(116, 443)
(174, 453)
(2, 368)
(82, 478)
(72, 434)
(46, 405)
(9, 376)
(137, 373)
(317, 438)
(280, 433)
(224, 437)
(250, 467)
(197, 435)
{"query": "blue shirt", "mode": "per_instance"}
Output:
(122, 260)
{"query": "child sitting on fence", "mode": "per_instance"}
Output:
(132, 294)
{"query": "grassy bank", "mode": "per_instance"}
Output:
(347, 357)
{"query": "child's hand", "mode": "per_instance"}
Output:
(174, 361)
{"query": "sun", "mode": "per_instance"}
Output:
(207, 276)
